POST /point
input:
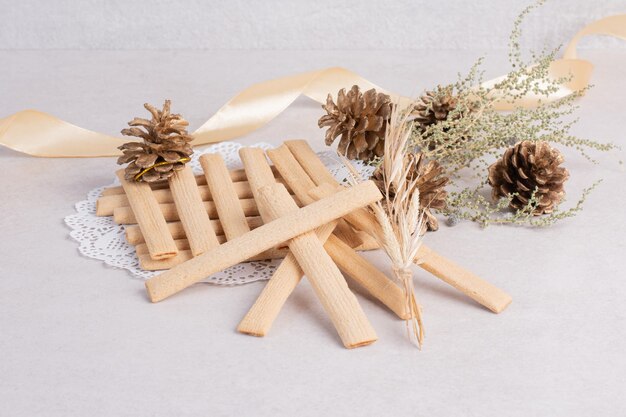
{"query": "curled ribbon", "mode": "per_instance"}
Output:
(40, 134)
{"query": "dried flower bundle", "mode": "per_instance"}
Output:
(400, 214)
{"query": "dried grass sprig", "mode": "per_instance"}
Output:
(401, 219)
(475, 132)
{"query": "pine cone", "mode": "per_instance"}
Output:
(526, 167)
(430, 182)
(361, 120)
(435, 106)
(164, 148)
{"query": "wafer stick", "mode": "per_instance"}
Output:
(263, 238)
(149, 217)
(311, 163)
(265, 309)
(369, 243)
(236, 175)
(126, 215)
(106, 204)
(135, 237)
(469, 284)
(259, 319)
(183, 244)
(341, 305)
(148, 264)
(344, 232)
(192, 213)
(463, 280)
(292, 172)
(364, 273)
(227, 203)
(257, 170)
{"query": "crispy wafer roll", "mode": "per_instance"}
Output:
(148, 264)
(341, 305)
(263, 238)
(259, 319)
(149, 217)
(126, 215)
(262, 314)
(227, 203)
(292, 172)
(134, 236)
(181, 244)
(264, 311)
(257, 169)
(191, 211)
(463, 280)
(369, 243)
(361, 271)
(469, 284)
(344, 232)
(235, 175)
(106, 204)
(311, 163)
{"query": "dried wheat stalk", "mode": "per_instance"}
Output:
(402, 221)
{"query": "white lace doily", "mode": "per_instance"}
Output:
(101, 238)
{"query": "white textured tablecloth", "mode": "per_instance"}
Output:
(78, 338)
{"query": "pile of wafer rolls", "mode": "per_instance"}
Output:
(288, 207)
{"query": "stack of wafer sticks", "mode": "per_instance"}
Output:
(293, 209)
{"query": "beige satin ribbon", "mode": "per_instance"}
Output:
(40, 134)
(579, 70)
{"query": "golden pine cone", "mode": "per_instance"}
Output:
(431, 183)
(360, 119)
(164, 148)
(526, 167)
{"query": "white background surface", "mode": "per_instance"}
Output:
(287, 24)
(78, 338)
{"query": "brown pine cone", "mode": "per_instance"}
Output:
(164, 149)
(434, 106)
(526, 167)
(361, 120)
(431, 183)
